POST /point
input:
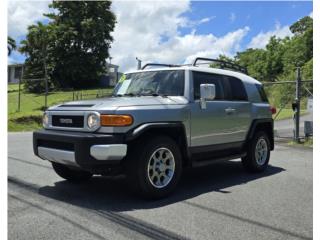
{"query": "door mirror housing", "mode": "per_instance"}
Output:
(207, 92)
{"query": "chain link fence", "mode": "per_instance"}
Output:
(293, 100)
(20, 100)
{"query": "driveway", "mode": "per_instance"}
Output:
(217, 202)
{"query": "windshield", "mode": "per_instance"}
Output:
(154, 83)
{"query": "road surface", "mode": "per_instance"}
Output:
(217, 202)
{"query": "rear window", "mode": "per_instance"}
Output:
(262, 93)
(238, 92)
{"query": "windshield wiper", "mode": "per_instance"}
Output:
(154, 94)
(126, 94)
(130, 94)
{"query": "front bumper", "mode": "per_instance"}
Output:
(92, 152)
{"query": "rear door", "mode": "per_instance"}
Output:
(238, 111)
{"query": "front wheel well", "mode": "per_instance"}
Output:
(176, 133)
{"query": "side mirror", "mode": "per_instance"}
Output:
(207, 92)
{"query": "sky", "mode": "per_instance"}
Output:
(177, 31)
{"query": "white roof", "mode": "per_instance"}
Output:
(242, 76)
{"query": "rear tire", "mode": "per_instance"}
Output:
(258, 153)
(71, 174)
(154, 167)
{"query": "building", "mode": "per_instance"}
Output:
(112, 76)
(14, 73)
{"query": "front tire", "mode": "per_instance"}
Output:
(258, 153)
(155, 167)
(71, 174)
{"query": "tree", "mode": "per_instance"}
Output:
(82, 42)
(301, 26)
(11, 45)
(274, 54)
(37, 48)
(255, 62)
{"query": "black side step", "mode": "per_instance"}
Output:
(214, 160)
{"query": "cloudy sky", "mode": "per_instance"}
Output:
(178, 31)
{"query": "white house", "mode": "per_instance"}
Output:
(14, 73)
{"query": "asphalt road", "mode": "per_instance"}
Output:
(217, 202)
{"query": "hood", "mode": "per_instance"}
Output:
(112, 103)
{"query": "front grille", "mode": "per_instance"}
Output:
(56, 145)
(67, 121)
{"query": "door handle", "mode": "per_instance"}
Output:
(230, 110)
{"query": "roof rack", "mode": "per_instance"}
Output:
(223, 64)
(159, 64)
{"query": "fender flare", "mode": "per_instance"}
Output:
(254, 125)
(139, 130)
(143, 128)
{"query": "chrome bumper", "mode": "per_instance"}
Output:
(99, 152)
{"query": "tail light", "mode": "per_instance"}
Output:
(273, 110)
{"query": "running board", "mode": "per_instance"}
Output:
(219, 159)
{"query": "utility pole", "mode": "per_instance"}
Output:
(297, 109)
(139, 63)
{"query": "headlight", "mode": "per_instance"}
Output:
(93, 120)
(45, 120)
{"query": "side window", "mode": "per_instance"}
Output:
(238, 92)
(202, 78)
(262, 93)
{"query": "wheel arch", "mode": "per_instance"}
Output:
(174, 130)
(265, 125)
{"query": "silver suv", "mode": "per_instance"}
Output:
(158, 122)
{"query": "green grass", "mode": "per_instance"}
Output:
(31, 105)
(287, 113)
(308, 142)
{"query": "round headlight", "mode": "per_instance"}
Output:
(93, 120)
(45, 120)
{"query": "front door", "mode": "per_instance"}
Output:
(224, 120)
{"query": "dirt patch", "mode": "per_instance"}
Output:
(28, 119)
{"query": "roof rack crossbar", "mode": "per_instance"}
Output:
(222, 64)
(159, 65)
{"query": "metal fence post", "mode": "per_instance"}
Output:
(19, 96)
(46, 84)
(297, 100)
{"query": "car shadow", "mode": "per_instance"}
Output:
(114, 194)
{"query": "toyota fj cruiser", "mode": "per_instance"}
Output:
(159, 121)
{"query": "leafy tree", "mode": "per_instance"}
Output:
(301, 26)
(37, 48)
(255, 62)
(11, 45)
(82, 42)
(274, 53)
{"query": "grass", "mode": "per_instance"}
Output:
(287, 113)
(308, 142)
(31, 108)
